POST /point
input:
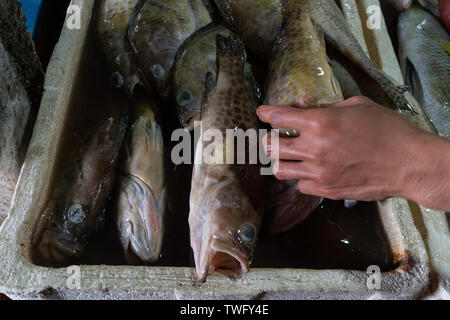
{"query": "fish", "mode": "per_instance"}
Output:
(113, 18)
(425, 62)
(226, 200)
(77, 209)
(258, 21)
(194, 61)
(330, 19)
(431, 5)
(401, 4)
(156, 32)
(141, 200)
(299, 69)
(444, 10)
(347, 83)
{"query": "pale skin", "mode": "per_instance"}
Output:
(357, 149)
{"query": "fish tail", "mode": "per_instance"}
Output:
(396, 94)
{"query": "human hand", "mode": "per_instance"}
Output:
(355, 149)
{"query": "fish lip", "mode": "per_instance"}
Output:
(57, 250)
(144, 246)
(219, 251)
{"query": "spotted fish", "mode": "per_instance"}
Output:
(141, 200)
(258, 21)
(113, 18)
(157, 30)
(299, 69)
(194, 62)
(76, 211)
(425, 62)
(226, 199)
(330, 19)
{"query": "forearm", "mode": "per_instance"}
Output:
(427, 178)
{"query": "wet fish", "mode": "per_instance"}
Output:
(258, 21)
(226, 199)
(401, 4)
(330, 19)
(76, 212)
(299, 69)
(431, 5)
(157, 30)
(347, 83)
(425, 62)
(195, 60)
(142, 196)
(112, 27)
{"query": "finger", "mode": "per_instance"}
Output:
(294, 170)
(286, 148)
(350, 102)
(309, 187)
(286, 117)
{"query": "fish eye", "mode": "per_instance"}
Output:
(76, 214)
(247, 233)
(184, 97)
(158, 71)
(116, 80)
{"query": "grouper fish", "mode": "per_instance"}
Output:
(299, 69)
(195, 60)
(156, 32)
(113, 18)
(258, 21)
(226, 202)
(425, 61)
(141, 200)
(76, 210)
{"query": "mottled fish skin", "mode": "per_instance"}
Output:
(401, 4)
(226, 199)
(348, 85)
(258, 21)
(75, 215)
(426, 64)
(142, 194)
(431, 5)
(194, 61)
(299, 68)
(113, 18)
(328, 16)
(157, 32)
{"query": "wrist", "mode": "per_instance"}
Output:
(427, 171)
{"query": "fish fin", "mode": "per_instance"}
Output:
(413, 79)
(133, 18)
(209, 85)
(254, 88)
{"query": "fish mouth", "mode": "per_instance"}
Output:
(223, 256)
(140, 222)
(58, 250)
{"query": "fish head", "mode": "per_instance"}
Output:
(140, 220)
(226, 240)
(66, 237)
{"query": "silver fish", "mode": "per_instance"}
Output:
(401, 4)
(142, 196)
(157, 30)
(347, 83)
(425, 62)
(328, 16)
(112, 28)
(195, 60)
(226, 199)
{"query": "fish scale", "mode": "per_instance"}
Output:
(426, 64)
(226, 199)
(299, 68)
(156, 33)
